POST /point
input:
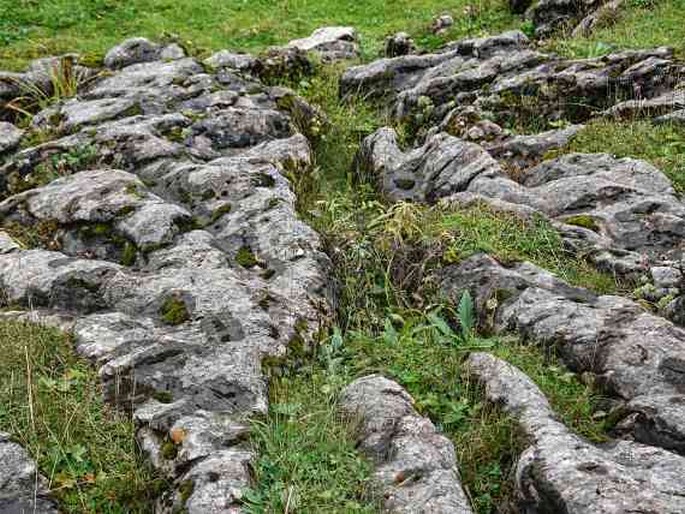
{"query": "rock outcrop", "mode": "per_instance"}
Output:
(562, 472)
(622, 214)
(416, 469)
(159, 215)
(506, 81)
(636, 356)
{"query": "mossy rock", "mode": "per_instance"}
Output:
(220, 211)
(583, 220)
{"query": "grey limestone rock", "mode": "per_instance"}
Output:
(22, 488)
(562, 472)
(508, 81)
(331, 43)
(171, 243)
(9, 136)
(621, 213)
(416, 470)
(602, 335)
(140, 50)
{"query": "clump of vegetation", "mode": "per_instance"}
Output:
(64, 81)
(245, 257)
(41, 234)
(583, 220)
(57, 165)
(129, 254)
(307, 460)
(174, 311)
(51, 404)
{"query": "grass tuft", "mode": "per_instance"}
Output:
(51, 404)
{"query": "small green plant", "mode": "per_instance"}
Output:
(245, 257)
(174, 311)
(466, 314)
(64, 81)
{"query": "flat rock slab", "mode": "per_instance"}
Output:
(636, 356)
(562, 472)
(170, 241)
(416, 468)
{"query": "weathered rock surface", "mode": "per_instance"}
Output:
(399, 44)
(139, 49)
(22, 488)
(506, 80)
(416, 470)
(169, 236)
(621, 213)
(636, 356)
(9, 136)
(331, 43)
(562, 472)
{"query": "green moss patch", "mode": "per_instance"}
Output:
(174, 311)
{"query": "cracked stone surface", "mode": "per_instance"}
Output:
(562, 472)
(416, 469)
(22, 488)
(623, 214)
(504, 80)
(634, 355)
(165, 231)
(331, 43)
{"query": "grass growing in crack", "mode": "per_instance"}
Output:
(383, 258)
(571, 399)
(307, 460)
(662, 145)
(511, 238)
(50, 403)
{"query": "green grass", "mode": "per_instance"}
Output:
(51, 404)
(30, 28)
(662, 145)
(304, 447)
(641, 24)
(511, 238)
(307, 460)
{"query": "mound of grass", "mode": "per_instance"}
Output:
(510, 238)
(50, 403)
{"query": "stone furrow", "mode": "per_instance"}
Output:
(416, 469)
(562, 472)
